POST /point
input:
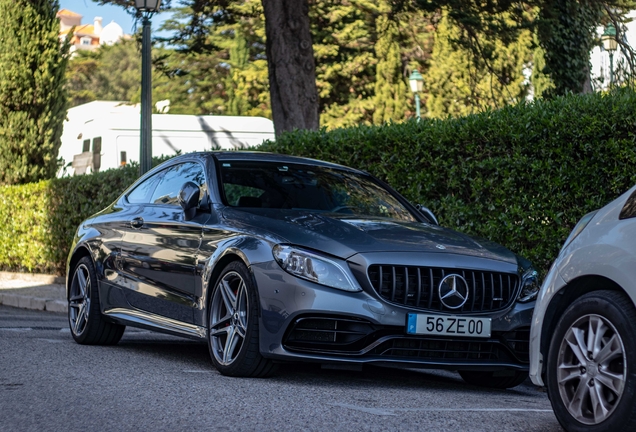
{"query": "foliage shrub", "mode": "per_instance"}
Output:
(38, 220)
(521, 176)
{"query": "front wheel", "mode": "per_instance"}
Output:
(84, 315)
(591, 364)
(499, 380)
(233, 326)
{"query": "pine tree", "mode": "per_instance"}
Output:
(460, 83)
(224, 70)
(344, 38)
(390, 87)
(541, 82)
(32, 95)
(244, 40)
(237, 103)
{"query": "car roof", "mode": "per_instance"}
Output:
(269, 157)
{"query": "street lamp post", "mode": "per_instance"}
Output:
(417, 83)
(147, 9)
(610, 44)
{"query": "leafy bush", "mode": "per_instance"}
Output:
(521, 176)
(38, 220)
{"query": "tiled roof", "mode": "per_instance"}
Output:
(68, 13)
(85, 29)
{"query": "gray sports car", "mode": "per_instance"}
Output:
(274, 258)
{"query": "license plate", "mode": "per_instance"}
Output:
(443, 325)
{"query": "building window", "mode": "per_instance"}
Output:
(85, 41)
(97, 153)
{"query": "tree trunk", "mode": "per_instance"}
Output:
(587, 84)
(290, 62)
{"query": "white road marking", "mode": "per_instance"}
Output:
(375, 411)
(197, 371)
(393, 411)
(17, 329)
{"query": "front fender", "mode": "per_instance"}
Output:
(215, 255)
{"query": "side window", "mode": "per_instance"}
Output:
(86, 145)
(141, 194)
(629, 210)
(167, 191)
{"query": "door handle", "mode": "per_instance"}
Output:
(136, 222)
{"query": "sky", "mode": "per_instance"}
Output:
(89, 10)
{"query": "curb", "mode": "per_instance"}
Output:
(33, 303)
(33, 277)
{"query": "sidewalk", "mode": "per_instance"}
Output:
(33, 291)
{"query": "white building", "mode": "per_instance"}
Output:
(102, 135)
(88, 36)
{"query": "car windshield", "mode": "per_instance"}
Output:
(250, 184)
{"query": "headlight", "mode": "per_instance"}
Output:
(529, 286)
(580, 226)
(313, 267)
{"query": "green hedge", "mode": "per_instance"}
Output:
(38, 220)
(521, 176)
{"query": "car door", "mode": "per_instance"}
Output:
(159, 248)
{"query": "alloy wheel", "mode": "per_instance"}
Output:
(591, 369)
(79, 299)
(229, 318)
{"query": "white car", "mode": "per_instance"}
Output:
(583, 335)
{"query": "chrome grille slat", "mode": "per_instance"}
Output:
(419, 286)
(393, 285)
(396, 283)
(430, 288)
(406, 285)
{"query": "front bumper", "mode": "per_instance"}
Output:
(552, 284)
(301, 320)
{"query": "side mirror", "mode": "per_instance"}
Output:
(428, 214)
(189, 199)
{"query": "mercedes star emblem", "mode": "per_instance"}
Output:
(453, 291)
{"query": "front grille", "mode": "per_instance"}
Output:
(444, 350)
(417, 287)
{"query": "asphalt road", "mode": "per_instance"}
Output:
(152, 382)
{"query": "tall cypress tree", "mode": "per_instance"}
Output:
(32, 96)
(237, 103)
(390, 87)
(460, 83)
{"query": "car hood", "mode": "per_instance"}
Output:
(346, 235)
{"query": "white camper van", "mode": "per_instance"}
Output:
(101, 135)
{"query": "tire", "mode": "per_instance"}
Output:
(85, 319)
(233, 326)
(598, 328)
(494, 379)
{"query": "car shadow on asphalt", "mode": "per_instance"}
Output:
(195, 354)
(386, 377)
